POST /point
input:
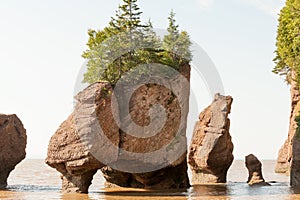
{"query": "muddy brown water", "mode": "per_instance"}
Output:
(32, 179)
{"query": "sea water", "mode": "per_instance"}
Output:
(33, 179)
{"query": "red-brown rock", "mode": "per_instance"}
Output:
(13, 141)
(92, 138)
(255, 173)
(286, 152)
(295, 166)
(68, 153)
(210, 153)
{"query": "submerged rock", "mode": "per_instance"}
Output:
(254, 168)
(210, 154)
(13, 141)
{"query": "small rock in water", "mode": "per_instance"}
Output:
(255, 174)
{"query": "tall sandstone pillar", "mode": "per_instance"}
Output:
(286, 152)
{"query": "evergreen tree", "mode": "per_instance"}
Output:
(113, 51)
(123, 32)
(152, 43)
(169, 42)
(176, 44)
(96, 56)
(288, 42)
(183, 47)
(127, 17)
(150, 37)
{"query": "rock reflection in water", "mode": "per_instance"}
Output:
(210, 190)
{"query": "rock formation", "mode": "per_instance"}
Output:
(285, 153)
(13, 141)
(171, 177)
(210, 154)
(66, 152)
(174, 174)
(295, 166)
(99, 135)
(254, 168)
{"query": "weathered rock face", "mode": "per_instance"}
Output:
(295, 166)
(158, 152)
(171, 177)
(66, 152)
(128, 157)
(285, 153)
(173, 174)
(210, 154)
(13, 141)
(254, 168)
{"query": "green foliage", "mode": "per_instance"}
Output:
(112, 51)
(288, 41)
(177, 45)
(127, 17)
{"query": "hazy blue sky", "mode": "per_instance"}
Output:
(41, 44)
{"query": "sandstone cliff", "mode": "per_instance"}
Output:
(285, 153)
(295, 166)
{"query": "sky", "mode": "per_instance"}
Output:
(40, 57)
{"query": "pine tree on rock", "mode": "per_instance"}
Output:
(176, 44)
(127, 17)
(169, 42)
(127, 43)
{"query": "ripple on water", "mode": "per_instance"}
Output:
(32, 179)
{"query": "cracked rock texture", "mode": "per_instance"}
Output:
(99, 135)
(210, 154)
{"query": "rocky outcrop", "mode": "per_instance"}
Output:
(254, 168)
(171, 177)
(66, 151)
(13, 141)
(210, 154)
(295, 166)
(143, 147)
(149, 156)
(286, 152)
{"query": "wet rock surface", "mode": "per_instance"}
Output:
(254, 167)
